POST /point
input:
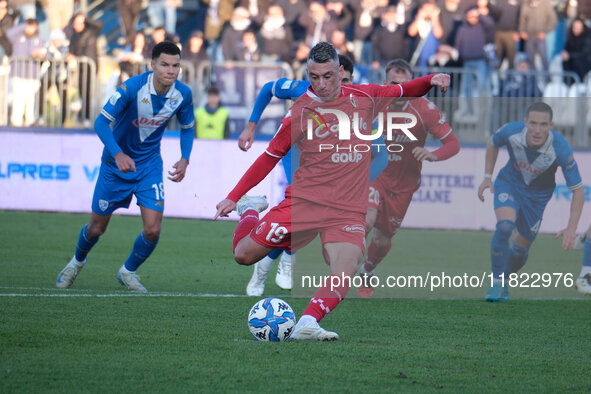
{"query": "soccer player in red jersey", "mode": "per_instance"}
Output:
(391, 192)
(329, 191)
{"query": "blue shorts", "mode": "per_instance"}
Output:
(114, 189)
(529, 206)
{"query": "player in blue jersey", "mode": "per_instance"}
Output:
(130, 126)
(284, 89)
(523, 188)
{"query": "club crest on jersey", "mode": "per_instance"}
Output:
(352, 99)
(173, 103)
(260, 227)
(503, 197)
(103, 205)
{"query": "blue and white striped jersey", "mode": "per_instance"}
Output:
(138, 116)
(536, 168)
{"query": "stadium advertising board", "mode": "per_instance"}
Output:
(57, 172)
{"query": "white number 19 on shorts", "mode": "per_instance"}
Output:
(277, 233)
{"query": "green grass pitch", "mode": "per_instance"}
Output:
(190, 335)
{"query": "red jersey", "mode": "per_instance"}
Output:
(334, 165)
(403, 172)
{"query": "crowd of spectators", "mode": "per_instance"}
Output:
(479, 35)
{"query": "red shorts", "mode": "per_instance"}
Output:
(294, 223)
(391, 207)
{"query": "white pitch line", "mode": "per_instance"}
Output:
(66, 295)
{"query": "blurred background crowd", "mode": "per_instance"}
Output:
(61, 58)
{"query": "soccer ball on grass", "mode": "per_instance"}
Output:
(271, 319)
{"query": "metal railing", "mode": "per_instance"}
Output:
(70, 95)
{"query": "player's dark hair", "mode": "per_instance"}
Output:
(166, 47)
(346, 62)
(539, 107)
(323, 52)
(398, 65)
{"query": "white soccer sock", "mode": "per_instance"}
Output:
(125, 270)
(307, 319)
(286, 258)
(364, 271)
(265, 264)
(584, 271)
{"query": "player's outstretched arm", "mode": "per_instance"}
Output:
(576, 208)
(246, 138)
(180, 169)
(490, 160)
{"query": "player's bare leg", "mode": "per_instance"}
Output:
(378, 249)
(88, 237)
(248, 252)
(143, 246)
(500, 253)
(343, 258)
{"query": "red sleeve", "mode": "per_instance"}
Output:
(450, 147)
(417, 87)
(253, 176)
(414, 88)
(278, 147)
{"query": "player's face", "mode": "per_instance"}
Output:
(325, 78)
(395, 77)
(166, 69)
(538, 127)
(347, 78)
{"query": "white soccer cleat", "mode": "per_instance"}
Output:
(131, 280)
(256, 286)
(310, 330)
(283, 278)
(258, 203)
(583, 285)
(580, 242)
(69, 273)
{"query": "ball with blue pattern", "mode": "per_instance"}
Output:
(271, 320)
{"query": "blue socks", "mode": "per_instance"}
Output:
(85, 243)
(499, 248)
(142, 248)
(517, 258)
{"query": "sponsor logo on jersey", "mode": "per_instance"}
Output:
(145, 101)
(159, 203)
(124, 87)
(103, 205)
(355, 228)
(145, 121)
